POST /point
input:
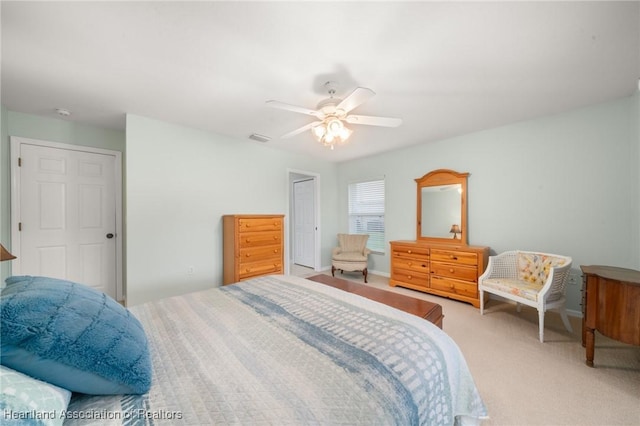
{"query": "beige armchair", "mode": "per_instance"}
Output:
(351, 255)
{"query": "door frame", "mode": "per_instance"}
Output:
(16, 143)
(292, 176)
(294, 211)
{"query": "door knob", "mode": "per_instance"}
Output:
(110, 235)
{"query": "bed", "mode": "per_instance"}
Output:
(288, 351)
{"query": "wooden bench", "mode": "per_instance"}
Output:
(430, 311)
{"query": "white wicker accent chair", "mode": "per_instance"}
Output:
(528, 278)
(351, 254)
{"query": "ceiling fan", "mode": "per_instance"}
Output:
(332, 113)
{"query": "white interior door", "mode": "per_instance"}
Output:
(304, 222)
(67, 225)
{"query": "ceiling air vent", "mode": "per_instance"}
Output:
(259, 138)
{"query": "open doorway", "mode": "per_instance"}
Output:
(303, 223)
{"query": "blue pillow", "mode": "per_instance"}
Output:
(72, 336)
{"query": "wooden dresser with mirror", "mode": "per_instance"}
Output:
(439, 261)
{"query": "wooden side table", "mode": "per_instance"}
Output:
(611, 305)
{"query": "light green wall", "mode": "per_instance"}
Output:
(49, 129)
(180, 181)
(635, 113)
(5, 231)
(64, 131)
(565, 184)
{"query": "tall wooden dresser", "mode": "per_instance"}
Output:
(253, 245)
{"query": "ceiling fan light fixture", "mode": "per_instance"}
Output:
(328, 138)
(331, 131)
(345, 133)
(335, 126)
(319, 131)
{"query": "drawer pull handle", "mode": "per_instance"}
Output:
(409, 251)
(409, 277)
(452, 286)
(248, 240)
(451, 270)
(410, 263)
(247, 255)
(275, 251)
(453, 257)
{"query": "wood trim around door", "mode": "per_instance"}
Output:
(288, 223)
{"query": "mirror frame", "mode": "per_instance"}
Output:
(444, 177)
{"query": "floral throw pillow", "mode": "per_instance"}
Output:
(534, 268)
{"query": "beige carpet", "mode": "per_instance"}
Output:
(525, 382)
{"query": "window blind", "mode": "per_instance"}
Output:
(366, 212)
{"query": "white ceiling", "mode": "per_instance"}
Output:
(445, 68)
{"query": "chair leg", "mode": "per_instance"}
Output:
(333, 270)
(481, 302)
(365, 272)
(565, 320)
(541, 322)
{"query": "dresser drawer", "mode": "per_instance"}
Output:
(448, 270)
(410, 252)
(411, 277)
(257, 239)
(454, 286)
(451, 256)
(249, 270)
(255, 254)
(259, 224)
(410, 264)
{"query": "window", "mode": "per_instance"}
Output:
(366, 212)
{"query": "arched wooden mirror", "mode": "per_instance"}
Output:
(442, 207)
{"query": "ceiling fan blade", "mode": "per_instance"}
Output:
(373, 121)
(294, 108)
(300, 130)
(359, 96)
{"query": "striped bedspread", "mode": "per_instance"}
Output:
(283, 350)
